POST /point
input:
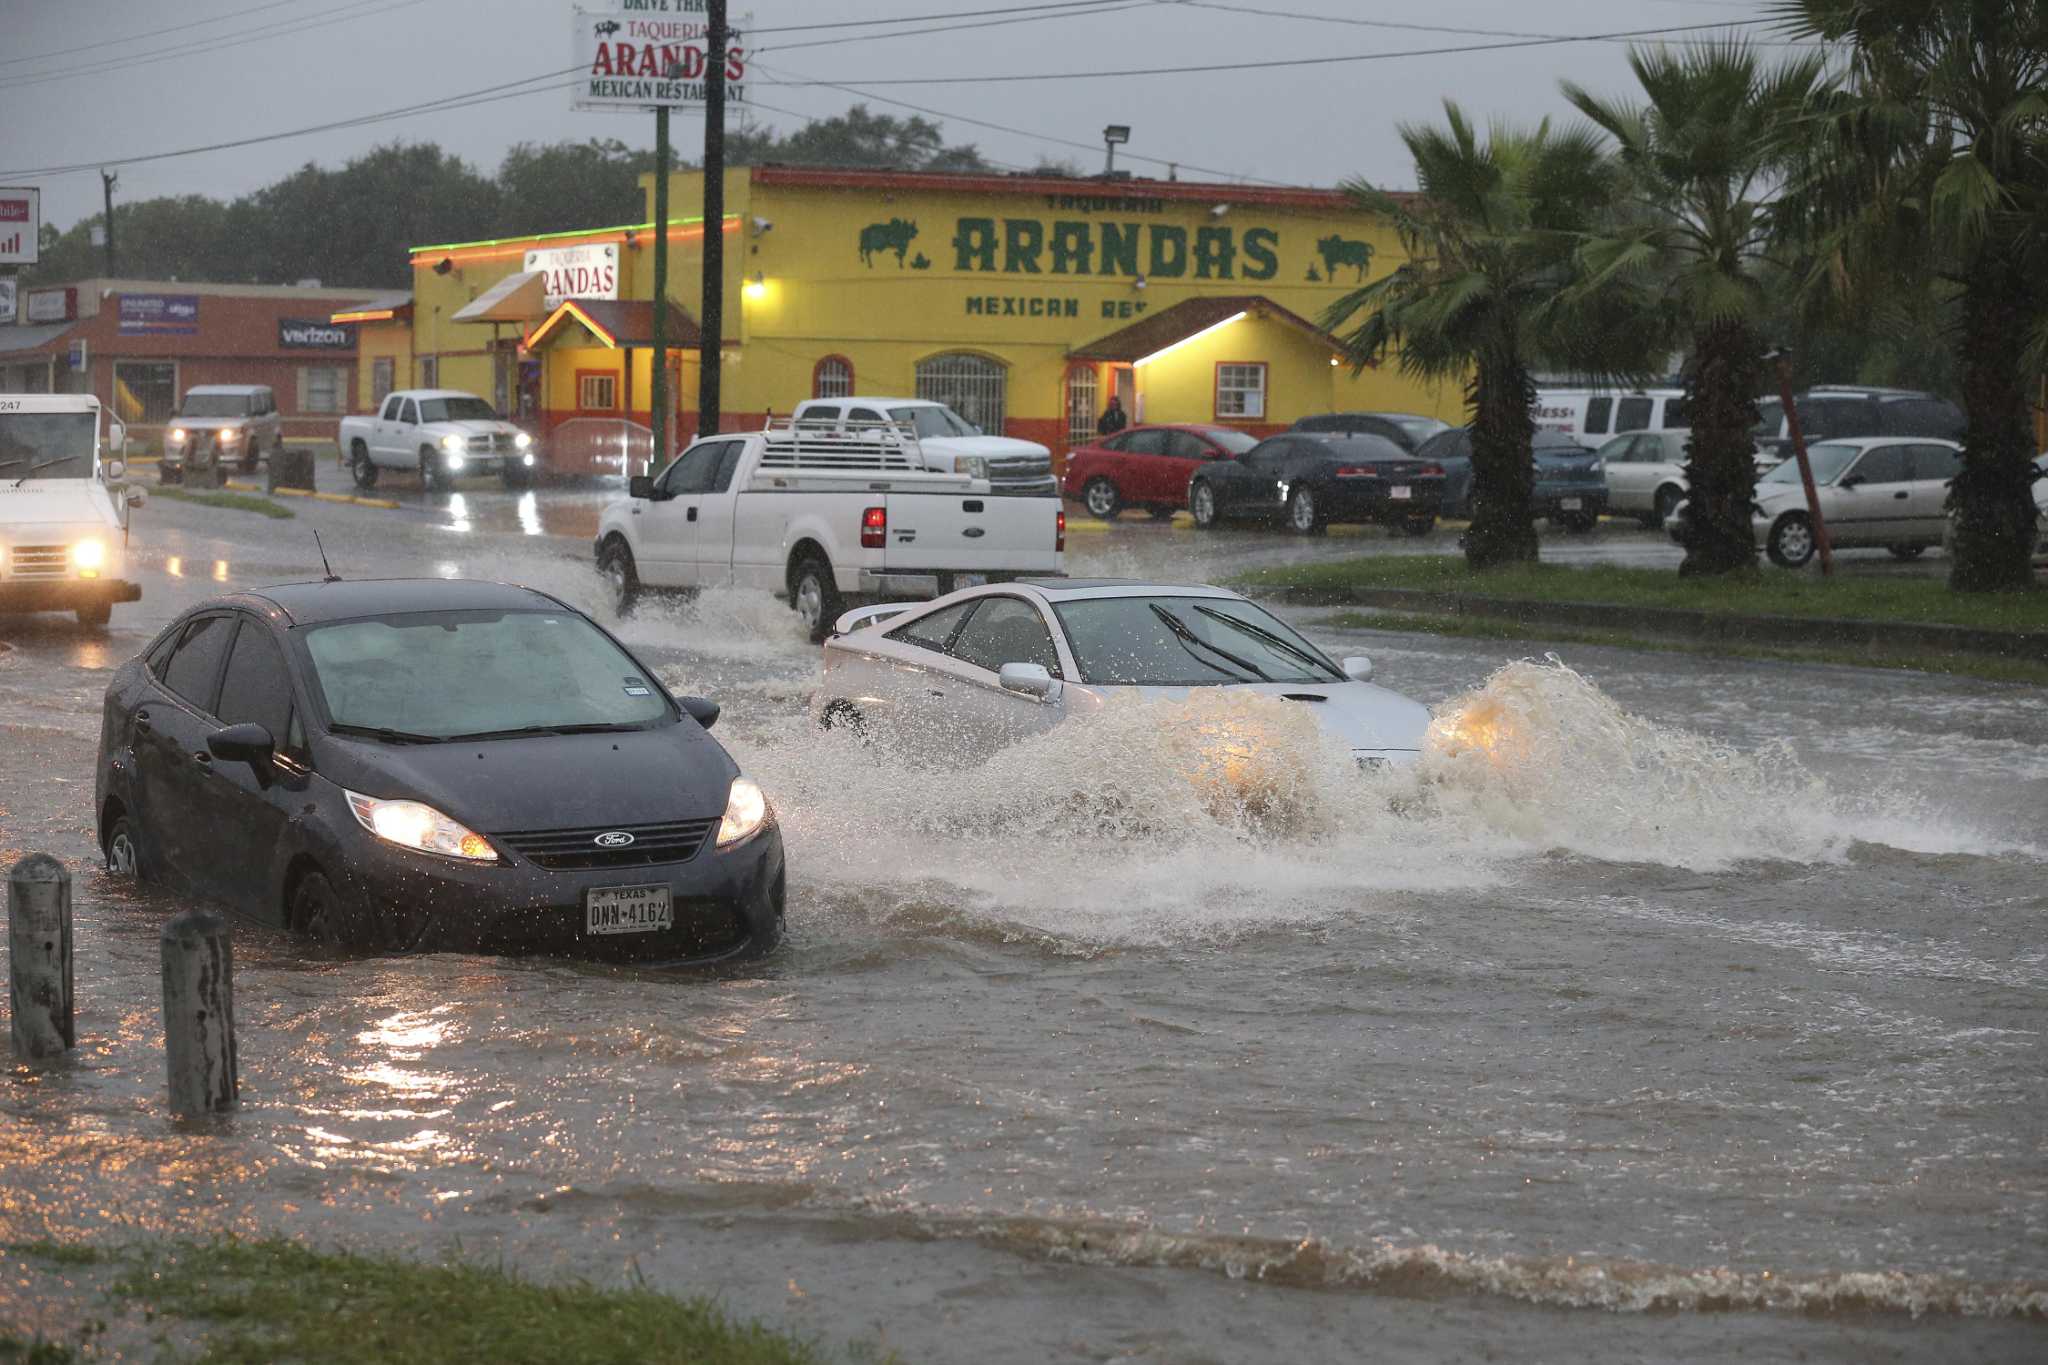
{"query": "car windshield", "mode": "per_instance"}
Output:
(215, 405)
(440, 675)
(1236, 442)
(463, 409)
(933, 421)
(1828, 462)
(45, 445)
(1186, 642)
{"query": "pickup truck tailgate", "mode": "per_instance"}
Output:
(929, 531)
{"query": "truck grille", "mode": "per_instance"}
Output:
(492, 443)
(562, 850)
(40, 561)
(1021, 474)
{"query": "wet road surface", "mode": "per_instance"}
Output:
(1744, 1014)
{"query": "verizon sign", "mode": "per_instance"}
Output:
(21, 226)
(576, 272)
(641, 53)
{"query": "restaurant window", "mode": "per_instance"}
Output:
(597, 392)
(973, 386)
(145, 392)
(322, 387)
(833, 377)
(1240, 391)
(383, 379)
(1080, 405)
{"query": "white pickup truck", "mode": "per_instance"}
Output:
(444, 434)
(63, 508)
(827, 521)
(948, 442)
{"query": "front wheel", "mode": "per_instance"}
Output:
(615, 563)
(123, 858)
(1304, 517)
(1202, 506)
(360, 466)
(1102, 500)
(815, 596)
(1907, 551)
(1790, 544)
(1666, 503)
(319, 914)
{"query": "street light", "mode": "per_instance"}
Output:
(1114, 134)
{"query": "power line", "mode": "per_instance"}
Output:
(1411, 27)
(921, 18)
(1101, 7)
(152, 33)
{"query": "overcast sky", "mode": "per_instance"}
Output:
(78, 84)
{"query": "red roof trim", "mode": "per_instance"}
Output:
(1274, 196)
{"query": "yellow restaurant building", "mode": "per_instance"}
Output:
(1022, 301)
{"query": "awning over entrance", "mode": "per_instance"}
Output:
(616, 322)
(31, 338)
(1186, 320)
(396, 307)
(516, 298)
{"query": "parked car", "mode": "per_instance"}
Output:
(1645, 473)
(1407, 430)
(987, 666)
(64, 508)
(433, 765)
(1830, 412)
(1873, 491)
(949, 442)
(1948, 529)
(1308, 480)
(1590, 415)
(445, 434)
(828, 521)
(1147, 467)
(1568, 488)
(217, 423)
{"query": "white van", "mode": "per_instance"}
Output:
(1590, 416)
(63, 508)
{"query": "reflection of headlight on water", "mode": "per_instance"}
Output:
(1483, 726)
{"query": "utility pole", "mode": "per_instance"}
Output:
(658, 394)
(711, 323)
(107, 182)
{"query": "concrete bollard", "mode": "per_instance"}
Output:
(199, 1014)
(289, 467)
(39, 957)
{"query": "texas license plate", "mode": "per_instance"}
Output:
(1569, 504)
(1399, 492)
(628, 910)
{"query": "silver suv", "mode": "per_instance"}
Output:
(218, 423)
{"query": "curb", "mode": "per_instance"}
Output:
(1690, 624)
(348, 498)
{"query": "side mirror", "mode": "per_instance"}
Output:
(1030, 680)
(137, 498)
(1851, 480)
(116, 469)
(1358, 668)
(117, 435)
(246, 743)
(640, 486)
(703, 710)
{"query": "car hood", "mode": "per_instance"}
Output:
(44, 502)
(209, 423)
(1355, 714)
(634, 777)
(473, 426)
(989, 447)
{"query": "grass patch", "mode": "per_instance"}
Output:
(1484, 628)
(257, 1302)
(239, 502)
(1769, 592)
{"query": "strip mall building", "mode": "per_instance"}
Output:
(1022, 301)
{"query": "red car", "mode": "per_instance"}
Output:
(1147, 467)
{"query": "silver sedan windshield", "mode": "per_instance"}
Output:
(1186, 642)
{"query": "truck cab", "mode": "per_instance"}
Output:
(64, 506)
(950, 444)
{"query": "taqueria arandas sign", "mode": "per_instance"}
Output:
(1106, 248)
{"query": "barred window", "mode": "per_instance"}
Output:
(833, 378)
(972, 385)
(382, 379)
(597, 392)
(1080, 405)
(1240, 391)
(145, 392)
(321, 388)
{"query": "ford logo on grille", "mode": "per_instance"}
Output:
(617, 838)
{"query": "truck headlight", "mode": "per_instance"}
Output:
(178, 436)
(89, 556)
(230, 435)
(453, 444)
(522, 440)
(973, 466)
(411, 824)
(746, 810)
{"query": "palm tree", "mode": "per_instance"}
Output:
(1489, 242)
(1938, 163)
(1704, 155)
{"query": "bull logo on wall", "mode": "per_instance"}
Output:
(1337, 251)
(895, 235)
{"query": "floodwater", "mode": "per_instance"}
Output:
(1673, 1009)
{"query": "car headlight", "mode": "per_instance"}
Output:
(452, 443)
(89, 556)
(230, 435)
(973, 466)
(528, 460)
(522, 440)
(178, 436)
(411, 824)
(746, 810)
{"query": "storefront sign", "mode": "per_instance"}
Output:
(74, 355)
(52, 305)
(7, 297)
(626, 54)
(159, 314)
(314, 334)
(1105, 247)
(21, 226)
(576, 272)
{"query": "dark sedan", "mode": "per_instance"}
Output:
(430, 765)
(1308, 480)
(1569, 487)
(1407, 430)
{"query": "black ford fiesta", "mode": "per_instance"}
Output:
(431, 765)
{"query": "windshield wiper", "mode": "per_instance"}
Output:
(1279, 642)
(61, 459)
(582, 728)
(385, 733)
(1188, 637)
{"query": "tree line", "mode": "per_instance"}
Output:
(1736, 205)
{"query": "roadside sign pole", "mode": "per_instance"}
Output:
(658, 395)
(1820, 526)
(712, 322)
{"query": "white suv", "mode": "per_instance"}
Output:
(221, 422)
